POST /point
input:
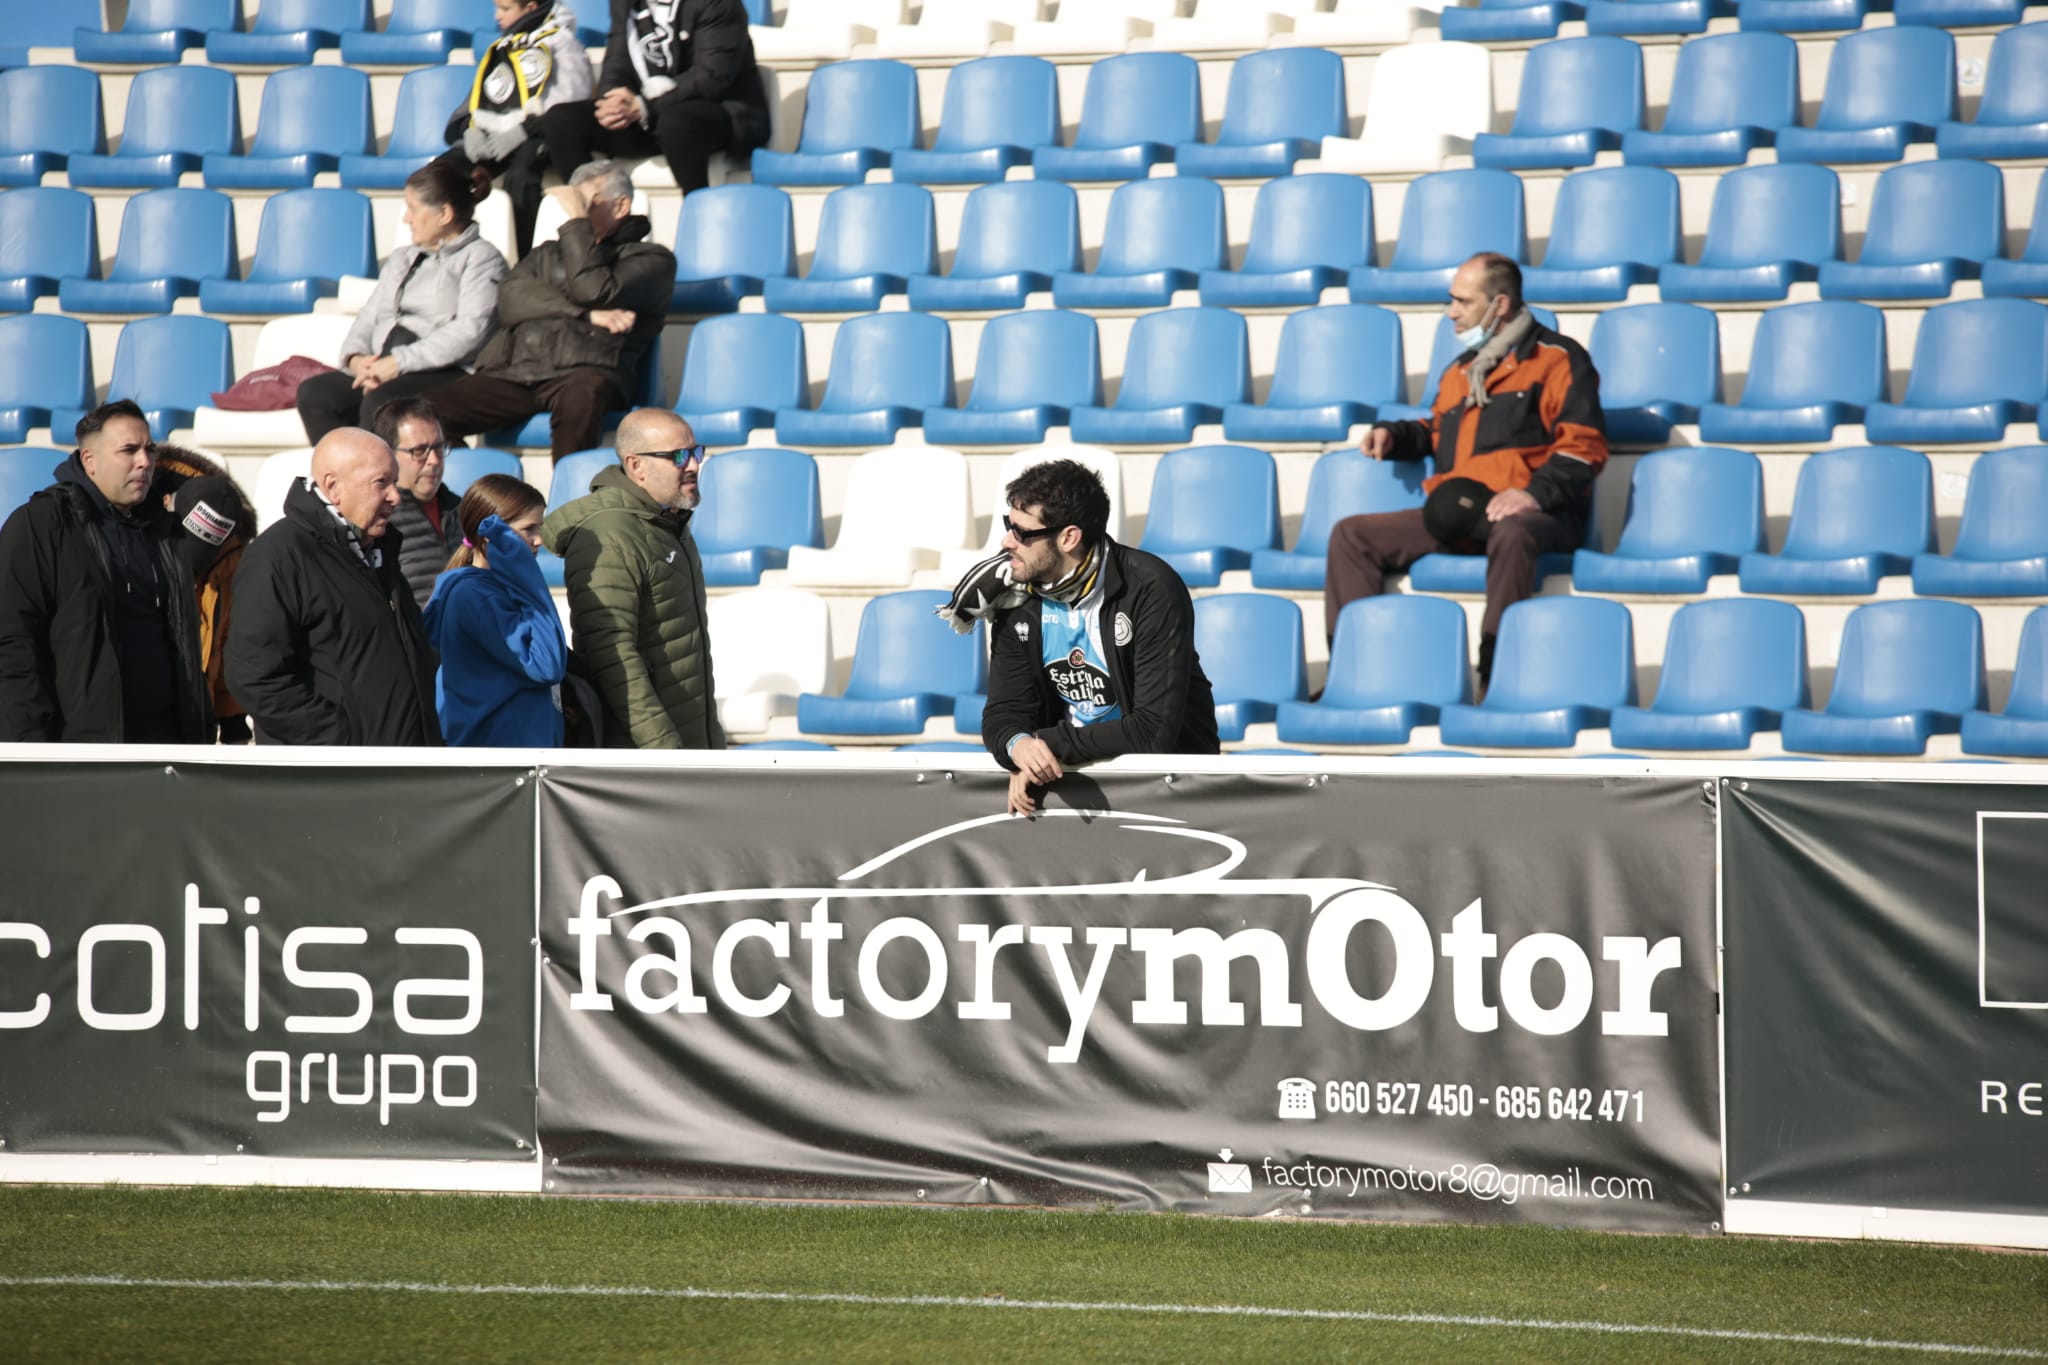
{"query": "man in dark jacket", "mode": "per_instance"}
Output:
(678, 80)
(429, 531)
(328, 645)
(99, 622)
(636, 588)
(1092, 645)
(576, 319)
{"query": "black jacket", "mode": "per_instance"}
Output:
(60, 675)
(716, 63)
(426, 551)
(543, 327)
(324, 649)
(1166, 703)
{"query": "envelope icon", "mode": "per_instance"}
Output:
(1229, 1177)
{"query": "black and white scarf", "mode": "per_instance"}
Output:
(656, 45)
(986, 589)
(371, 555)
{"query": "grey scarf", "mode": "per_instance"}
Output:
(1508, 337)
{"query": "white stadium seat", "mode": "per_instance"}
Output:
(957, 28)
(954, 563)
(274, 480)
(825, 30)
(768, 645)
(1093, 26)
(1224, 25)
(1362, 23)
(1427, 102)
(904, 508)
(317, 336)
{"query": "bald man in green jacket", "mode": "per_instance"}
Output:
(636, 588)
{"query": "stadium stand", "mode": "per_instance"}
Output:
(956, 28)
(1097, 27)
(53, 23)
(47, 235)
(1211, 508)
(464, 467)
(1251, 649)
(169, 365)
(826, 30)
(730, 241)
(48, 114)
(1633, 18)
(907, 667)
(1857, 516)
(2026, 277)
(755, 505)
(1692, 513)
(1731, 668)
(318, 336)
(1033, 369)
(25, 472)
(1908, 670)
(1508, 21)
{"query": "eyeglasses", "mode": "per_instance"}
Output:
(1029, 534)
(420, 452)
(684, 456)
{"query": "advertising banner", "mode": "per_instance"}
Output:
(1482, 998)
(324, 962)
(1887, 985)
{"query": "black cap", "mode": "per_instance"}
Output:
(1456, 511)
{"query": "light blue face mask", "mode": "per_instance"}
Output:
(1472, 338)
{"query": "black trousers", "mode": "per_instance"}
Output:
(576, 403)
(327, 401)
(687, 133)
(519, 175)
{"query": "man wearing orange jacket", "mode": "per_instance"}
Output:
(1518, 436)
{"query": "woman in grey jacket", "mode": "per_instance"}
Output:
(435, 305)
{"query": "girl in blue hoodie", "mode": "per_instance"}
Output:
(494, 623)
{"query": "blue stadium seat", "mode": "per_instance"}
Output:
(2026, 277)
(1160, 236)
(941, 746)
(1280, 106)
(422, 33)
(46, 235)
(1031, 371)
(26, 471)
(155, 31)
(731, 240)
(857, 115)
(1136, 109)
(1659, 364)
(871, 240)
(51, 23)
(1931, 223)
(1612, 228)
(887, 369)
(1887, 87)
(1447, 217)
(170, 241)
(1443, 349)
(2021, 729)
(1812, 367)
(1211, 507)
(1564, 664)
(48, 114)
(176, 115)
(1730, 94)
(1467, 573)
(908, 665)
(2002, 546)
(997, 110)
(571, 481)
(801, 746)
(1336, 366)
(1806, 16)
(1629, 18)
(1251, 649)
(1014, 238)
(1578, 96)
(739, 371)
(757, 503)
(1731, 668)
(1959, 13)
(2012, 117)
(1908, 670)
(466, 464)
(1396, 661)
(1978, 366)
(308, 240)
(1857, 515)
(171, 366)
(426, 98)
(1343, 483)
(311, 117)
(1181, 367)
(45, 362)
(1309, 232)
(1507, 21)
(967, 709)
(1770, 226)
(1693, 512)
(287, 32)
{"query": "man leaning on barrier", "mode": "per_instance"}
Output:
(1092, 650)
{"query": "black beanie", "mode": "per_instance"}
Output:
(209, 511)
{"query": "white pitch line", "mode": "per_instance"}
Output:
(606, 1291)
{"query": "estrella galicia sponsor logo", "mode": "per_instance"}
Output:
(1064, 939)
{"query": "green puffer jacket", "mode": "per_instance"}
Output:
(636, 614)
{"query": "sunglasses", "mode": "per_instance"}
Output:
(684, 456)
(1027, 535)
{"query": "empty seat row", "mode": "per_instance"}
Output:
(293, 32)
(1524, 20)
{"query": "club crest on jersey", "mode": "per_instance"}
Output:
(1122, 629)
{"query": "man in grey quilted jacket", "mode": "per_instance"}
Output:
(636, 588)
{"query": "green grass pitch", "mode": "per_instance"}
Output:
(296, 1275)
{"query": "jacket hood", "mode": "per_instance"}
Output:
(87, 498)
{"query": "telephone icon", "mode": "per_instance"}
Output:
(1297, 1098)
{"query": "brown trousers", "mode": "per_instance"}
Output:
(1364, 550)
(576, 402)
